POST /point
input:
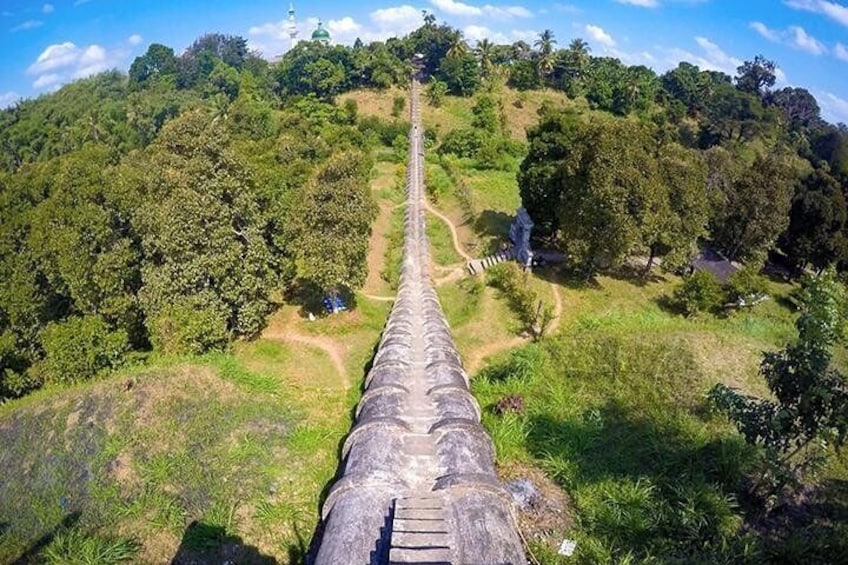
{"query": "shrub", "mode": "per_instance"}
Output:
(463, 142)
(700, 292)
(80, 348)
(398, 104)
(509, 279)
(747, 285)
(435, 93)
(190, 325)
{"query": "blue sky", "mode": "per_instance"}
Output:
(45, 44)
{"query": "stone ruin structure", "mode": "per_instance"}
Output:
(418, 483)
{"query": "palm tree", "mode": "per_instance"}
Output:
(484, 51)
(578, 57)
(546, 42)
(546, 61)
(458, 47)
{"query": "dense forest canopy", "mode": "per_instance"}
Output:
(170, 208)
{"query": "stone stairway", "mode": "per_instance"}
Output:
(418, 483)
(479, 265)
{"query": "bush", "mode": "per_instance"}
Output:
(435, 93)
(509, 279)
(190, 325)
(746, 286)
(463, 142)
(80, 348)
(700, 292)
(398, 104)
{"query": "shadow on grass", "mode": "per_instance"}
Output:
(616, 442)
(646, 487)
(635, 274)
(31, 554)
(310, 299)
(490, 223)
(204, 543)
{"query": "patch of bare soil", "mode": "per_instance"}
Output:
(543, 508)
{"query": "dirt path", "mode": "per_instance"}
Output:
(379, 298)
(557, 309)
(377, 251)
(327, 345)
(454, 236)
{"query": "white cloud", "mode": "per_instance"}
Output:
(834, 108)
(272, 38)
(599, 35)
(794, 36)
(62, 62)
(712, 57)
(8, 98)
(476, 33)
(567, 8)
(832, 10)
(45, 81)
(29, 24)
(640, 3)
(405, 18)
(841, 52)
(806, 42)
(455, 8)
(770, 34)
(47, 8)
(135, 39)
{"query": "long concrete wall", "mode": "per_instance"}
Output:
(418, 482)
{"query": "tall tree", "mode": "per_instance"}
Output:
(754, 210)
(757, 76)
(331, 224)
(602, 191)
(817, 219)
(545, 59)
(484, 52)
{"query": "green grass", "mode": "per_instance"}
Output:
(206, 442)
(394, 249)
(441, 244)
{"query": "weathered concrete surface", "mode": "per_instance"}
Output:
(418, 482)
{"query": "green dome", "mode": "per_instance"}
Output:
(321, 34)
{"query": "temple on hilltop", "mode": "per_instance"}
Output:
(320, 34)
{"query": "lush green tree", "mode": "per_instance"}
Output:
(484, 113)
(757, 76)
(808, 409)
(817, 219)
(435, 93)
(523, 75)
(461, 74)
(157, 64)
(85, 244)
(331, 223)
(206, 228)
(600, 187)
(754, 209)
